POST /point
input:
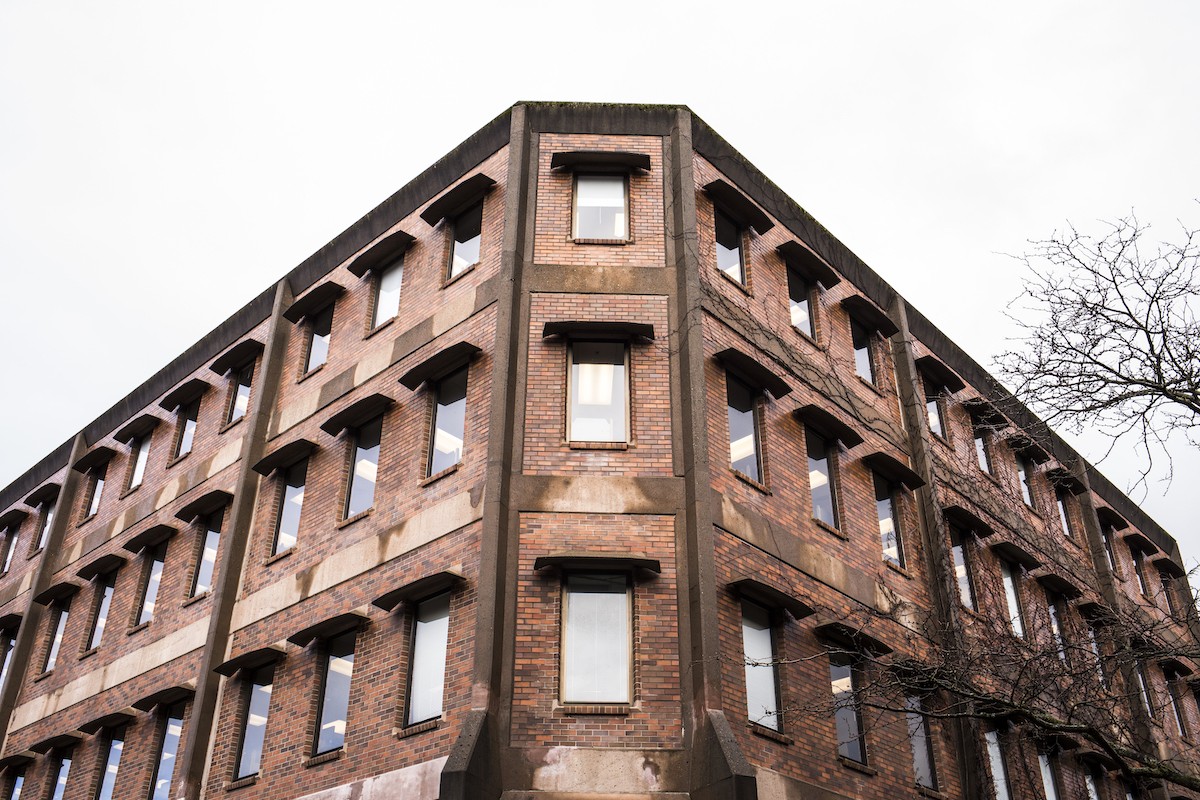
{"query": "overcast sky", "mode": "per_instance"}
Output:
(161, 164)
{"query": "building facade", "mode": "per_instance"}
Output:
(586, 464)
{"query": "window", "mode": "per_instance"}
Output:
(468, 233)
(599, 392)
(61, 771)
(157, 557)
(600, 207)
(320, 328)
(45, 520)
(1093, 645)
(291, 503)
(1050, 780)
(1139, 569)
(982, 456)
(112, 763)
(729, 247)
(762, 681)
(1175, 701)
(998, 765)
(449, 422)
(10, 544)
(164, 770)
(202, 579)
(240, 402)
(104, 594)
(1107, 532)
(1025, 479)
(889, 521)
(14, 793)
(1142, 679)
(935, 410)
(387, 293)
(821, 479)
(140, 455)
(962, 568)
(1089, 784)
(8, 639)
(95, 489)
(1064, 517)
(58, 625)
(863, 340)
(360, 493)
(254, 722)
(843, 680)
(1171, 592)
(800, 303)
(427, 667)
(743, 429)
(1054, 607)
(188, 415)
(335, 693)
(924, 766)
(596, 639)
(1010, 574)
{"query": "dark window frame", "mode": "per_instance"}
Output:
(852, 663)
(177, 711)
(624, 176)
(285, 480)
(239, 378)
(960, 541)
(631, 638)
(935, 407)
(406, 717)
(252, 679)
(156, 554)
(138, 446)
(775, 664)
(830, 448)
(319, 317)
(799, 285)
(111, 736)
(627, 366)
(869, 338)
(206, 532)
(326, 652)
(374, 320)
(188, 412)
(743, 280)
(435, 395)
(355, 441)
(452, 232)
(94, 495)
(895, 500)
(59, 617)
(106, 587)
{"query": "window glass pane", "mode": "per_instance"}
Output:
(820, 479)
(1089, 783)
(962, 571)
(922, 744)
(743, 428)
(335, 699)
(1009, 574)
(846, 716)
(598, 392)
(254, 726)
(165, 770)
(112, 763)
(981, 454)
(208, 556)
(142, 455)
(429, 659)
(188, 416)
(1024, 479)
(101, 613)
(729, 247)
(290, 506)
(241, 396)
(7, 640)
(864, 363)
(799, 303)
(933, 411)
(1049, 784)
(387, 301)
(889, 532)
(11, 547)
(97, 489)
(18, 785)
(1052, 607)
(468, 230)
(47, 522)
(596, 640)
(600, 207)
(364, 470)
(1143, 687)
(318, 343)
(1063, 518)
(449, 422)
(60, 778)
(998, 766)
(762, 695)
(153, 579)
(60, 625)
(1108, 533)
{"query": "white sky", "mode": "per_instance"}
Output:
(160, 164)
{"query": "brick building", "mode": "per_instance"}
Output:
(584, 464)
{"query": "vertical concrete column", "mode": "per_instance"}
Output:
(25, 644)
(203, 724)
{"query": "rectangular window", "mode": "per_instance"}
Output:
(889, 521)
(320, 328)
(58, 789)
(1143, 687)
(46, 521)
(982, 456)
(1054, 607)
(1089, 784)
(57, 626)
(427, 667)
(1064, 517)
(468, 234)
(187, 427)
(14, 793)
(8, 638)
(1139, 569)
(743, 429)
(962, 568)
(10, 545)
(140, 452)
(254, 722)
(863, 340)
(240, 403)
(1175, 701)
(335, 693)
(449, 422)
(847, 714)
(387, 293)
(600, 207)
(158, 557)
(164, 770)
(202, 579)
(1010, 574)
(1093, 645)
(596, 639)
(1171, 592)
(998, 765)
(599, 392)
(800, 303)
(291, 503)
(1049, 769)
(821, 479)
(1025, 479)
(360, 494)
(104, 594)
(112, 764)
(924, 766)
(1108, 532)
(96, 489)
(762, 681)
(934, 410)
(729, 247)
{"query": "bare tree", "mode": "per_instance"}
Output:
(1110, 339)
